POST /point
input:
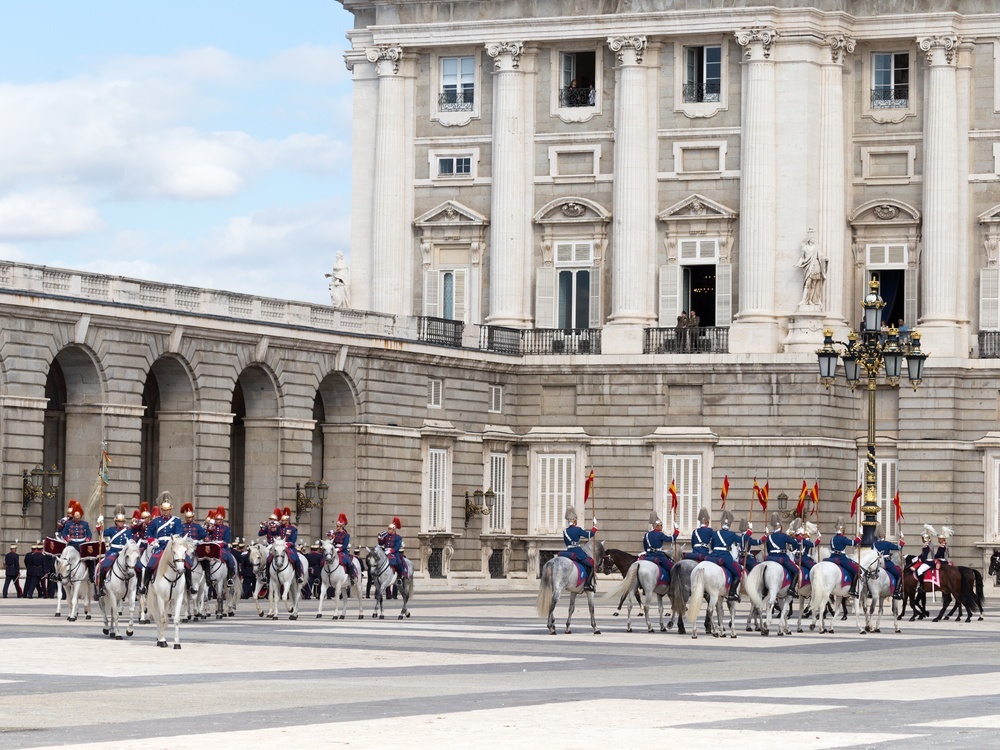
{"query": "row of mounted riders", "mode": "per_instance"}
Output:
(931, 569)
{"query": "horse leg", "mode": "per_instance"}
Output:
(645, 610)
(945, 601)
(593, 619)
(572, 606)
(659, 601)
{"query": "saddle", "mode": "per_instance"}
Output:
(933, 577)
(53, 546)
(92, 549)
(208, 551)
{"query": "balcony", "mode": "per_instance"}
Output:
(989, 345)
(451, 100)
(890, 98)
(702, 92)
(577, 97)
(561, 341)
(700, 340)
(440, 331)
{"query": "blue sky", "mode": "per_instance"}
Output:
(200, 143)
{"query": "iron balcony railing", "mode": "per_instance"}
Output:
(989, 345)
(456, 101)
(540, 340)
(440, 331)
(500, 340)
(700, 340)
(889, 98)
(702, 92)
(576, 97)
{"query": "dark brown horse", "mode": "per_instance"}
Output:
(952, 587)
(620, 560)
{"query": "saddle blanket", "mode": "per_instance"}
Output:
(209, 550)
(933, 577)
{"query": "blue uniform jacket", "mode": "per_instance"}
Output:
(942, 553)
(342, 539)
(391, 542)
(77, 532)
(839, 543)
(654, 540)
(722, 540)
(162, 528)
(116, 539)
(701, 539)
(778, 543)
(289, 533)
(220, 533)
(194, 530)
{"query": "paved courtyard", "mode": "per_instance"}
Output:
(478, 670)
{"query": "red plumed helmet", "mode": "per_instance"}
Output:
(342, 519)
(187, 508)
(211, 514)
(136, 514)
(277, 513)
(155, 513)
(396, 522)
(143, 508)
(286, 513)
(220, 512)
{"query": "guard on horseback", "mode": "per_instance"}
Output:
(115, 539)
(221, 533)
(159, 532)
(777, 544)
(76, 532)
(722, 540)
(886, 548)
(269, 528)
(61, 523)
(652, 543)
(140, 522)
(572, 536)
(701, 538)
(191, 527)
(941, 554)
(392, 543)
(838, 544)
(747, 559)
(290, 534)
(342, 542)
(922, 563)
(806, 547)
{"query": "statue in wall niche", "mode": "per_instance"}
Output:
(813, 263)
(340, 282)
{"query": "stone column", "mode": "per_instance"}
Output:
(964, 256)
(22, 426)
(832, 215)
(296, 447)
(510, 227)
(362, 180)
(390, 223)
(632, 231)
(123, 431)
(213, 438)
(938, 261)
(755, 327)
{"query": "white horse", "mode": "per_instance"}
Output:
(257, 557)
(119, 587)
(227, 594)
(709, 580)
(643, 574)
(877, 587)
(146, 552)
(332, 575)
(166, 596)
(75, 580)
(561, 574)
(827, 582)
(383, 576)
(767, 587)
(197, 603)
(281, 582)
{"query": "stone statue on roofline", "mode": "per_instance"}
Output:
(340, 282)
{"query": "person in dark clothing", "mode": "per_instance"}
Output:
(12, 566)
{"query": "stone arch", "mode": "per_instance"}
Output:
(255, 463)
(169, 430)
(335, 443)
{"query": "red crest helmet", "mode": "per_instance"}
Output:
(396, 522)
(187, 509)
(342, 519)
(220, 513)
(286, 513)
(276, 514)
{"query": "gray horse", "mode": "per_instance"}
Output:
(560, 574)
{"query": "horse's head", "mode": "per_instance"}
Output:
(130, 554)
(994, 562)
(329, 551)
(68, 559)
(605, 564)
(177, 550)
(279, 549)
(255, 554)
(373, 556)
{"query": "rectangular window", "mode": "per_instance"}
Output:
(499, 518)
(438, 507)
(890, 80)
(458, 83)
(573, 284)
(577, 79)
(445, 293)
(685, 472)
(994, 525)
(435, 393)
(496, 399)
(702, 74)
(886, 484)
(556, 488)
(455, 166)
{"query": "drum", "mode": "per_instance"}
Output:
(92, 549)
(53, 546)
(208, 551)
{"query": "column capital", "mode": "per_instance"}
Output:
(386, 57)
(938, 47)
(756, 39)
(840, 45)
(506, 55)
(629, 49)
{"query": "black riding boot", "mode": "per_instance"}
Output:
(734, 591)
(897, 593)
(793, 589)
(187, 580)
(591, 584)
(854, 587)
(144, 584)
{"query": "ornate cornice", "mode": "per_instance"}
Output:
(840, 45)
(620, 44)
(765, 37)
(930, 44)
(505, 52)
(385, 53)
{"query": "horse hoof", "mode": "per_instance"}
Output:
(614, 614)
(177, 647)
(293, 617)
(319, 617)
(260, 614)
(129, 633)
(161, 644)
(381, 617)
(400, 617)
(407, 614)
(71, 619)
(105, 631)
(733, 635)
(628, 628)
(58, 614)
(343, 617)
(552, 632)
(374, 615)
(568, 631)
(597, 632)
(663, 629)
(799, 630)
(119, 638)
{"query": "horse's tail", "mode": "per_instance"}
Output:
(697, 595)
(545, 586)
(980, 597)
(755, 589)
(625, 588)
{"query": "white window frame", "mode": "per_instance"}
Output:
(910, 152)
(497, 478)
(698, 110)
(435, 285)
(582, 258)
(874, 249)
(436, 516)
(461, 117)
(435, 155)
(886, 484)
(575, 114)
(549, 499)
(496, 399)
(681, 146)
(991, 523)
(887, 114)
(699, 251)
(435, 393)
(702, 75)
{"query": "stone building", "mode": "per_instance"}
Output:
(541, 187)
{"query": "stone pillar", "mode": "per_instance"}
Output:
(633, 241)
(340, 466)
(22, 424)
(510, 223)
(939, 261)
(212, 440)
(755, 327)
(176, 465)
(296, 468)
(362, 181)
(964, 255)
(832, 215)
(123, 430)
(262, 476)
(391, 239)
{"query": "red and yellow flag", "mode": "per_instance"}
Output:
(854, 500)
(800, 508)
(588, 486)
(672, 489)
(899, 508)
(814, 493)
(725, 490)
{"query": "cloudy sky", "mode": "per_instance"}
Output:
(203, 143)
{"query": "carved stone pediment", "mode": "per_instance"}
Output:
(882, 212)
(697, 207)
(451, 213)
(449, 225)
(573, 219)
(698, 216)
(572, 210)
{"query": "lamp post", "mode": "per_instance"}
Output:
(869, 351)
(35, 482)
(304, 495)
(482, 504)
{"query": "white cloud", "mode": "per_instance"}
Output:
(46, 214)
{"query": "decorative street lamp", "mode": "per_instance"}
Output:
(869, 351)
(39, 483)
(304, 499)
(481, 505)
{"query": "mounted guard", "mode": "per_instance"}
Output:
(192, 528)
(572, 536)
(115, 537)
(290, 534)
(159, 532)
(838, 544)
(886, 548)
(941, 554)
(392, 543)
(221, 533)
(701, 538)
(342, 542)
(777, 544)
(722, 540)
(77, 532)
(269, 528)
(652, 544)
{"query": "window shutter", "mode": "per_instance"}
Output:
(431, 283)
(989, 299)
(708, 249)
(583, 252)
(910, 302)
(895, 255)
(564, 252)
(668, 296)
(595, 297)
(500, 515)
(461, 294)
(688, 249)
(723, 294)
(545, 297)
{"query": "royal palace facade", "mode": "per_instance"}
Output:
(541, 189)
